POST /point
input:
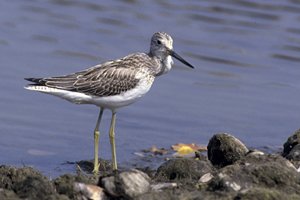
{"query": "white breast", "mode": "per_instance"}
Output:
(168, 62)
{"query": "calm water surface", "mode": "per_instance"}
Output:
(246, 80)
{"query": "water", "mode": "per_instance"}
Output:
(246, 80)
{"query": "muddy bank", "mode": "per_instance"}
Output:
(229, 171)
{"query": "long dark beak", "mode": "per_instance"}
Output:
(178, 57)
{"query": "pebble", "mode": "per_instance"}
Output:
(205, 178)
(128, 184)
(161, 186)
(92, 192)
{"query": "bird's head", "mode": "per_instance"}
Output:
(162, 47)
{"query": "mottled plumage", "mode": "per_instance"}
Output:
(113, 84)
(107, 79)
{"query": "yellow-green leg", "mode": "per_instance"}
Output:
(96, 142)
(112, 141)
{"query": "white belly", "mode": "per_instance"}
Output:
(125, 98)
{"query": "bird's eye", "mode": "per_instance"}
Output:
(158, 42)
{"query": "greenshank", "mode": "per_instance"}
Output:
(113, 84)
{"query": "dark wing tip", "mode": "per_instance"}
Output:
(38, 81)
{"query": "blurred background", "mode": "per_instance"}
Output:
(246, 80)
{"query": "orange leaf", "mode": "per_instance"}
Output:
(157, 151)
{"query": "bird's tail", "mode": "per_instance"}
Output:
(38, 84)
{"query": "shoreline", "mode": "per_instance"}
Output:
(229, 171)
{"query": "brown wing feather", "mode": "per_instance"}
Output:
(110, 78)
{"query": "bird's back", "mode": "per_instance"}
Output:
(112, 84)
(107, 79)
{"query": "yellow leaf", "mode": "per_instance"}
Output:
(185, 150)
(193, 146)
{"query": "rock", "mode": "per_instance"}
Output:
(294, 154)
(8, 194)
(181, 169)
(128, 184)
(174, 195)
(161, 186)
(88, 166)
(224, 182)
(265, 194)
(25, 182)
(92, 192)
(134, 183)
(205, 178)
(34, 188)
(65, 184)
(179, 194)
(108, 183)
(264, 171)
(291, 149)
(292, 141)
(162, 195)
(224, 149)
(255, 152)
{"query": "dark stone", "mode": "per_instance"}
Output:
(172, 194)
(88, 166)
(189, 194)
(292, 141)
(265, 194)
(263, 171)
(25, 182)
(183, 168)
(34, 187)
(11, 175)
(224, 149)
(162, 195)
(294, 154)
(8, 194)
